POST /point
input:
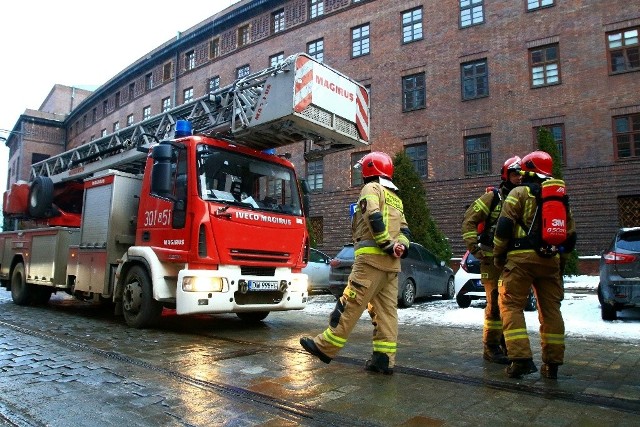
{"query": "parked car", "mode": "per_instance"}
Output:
(317, 270)
(619, 285)
(422, 275)
(468, 286)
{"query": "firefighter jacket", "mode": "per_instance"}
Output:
(378, 223)
(477, 214)
(519, 211)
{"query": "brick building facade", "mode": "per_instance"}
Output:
(460, 85)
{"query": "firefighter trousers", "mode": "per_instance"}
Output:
(492, 331)
(372, 289)
(523, 270)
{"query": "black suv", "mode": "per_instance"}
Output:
(422, 275)
(619, 285)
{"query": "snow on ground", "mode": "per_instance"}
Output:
(580, 310)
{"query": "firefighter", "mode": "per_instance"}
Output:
(478, 227)
(525, 260)
(381, 237)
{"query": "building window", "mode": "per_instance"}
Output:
(38, 157)
(412, 25)
(477, 154)
(94, 115)
(316, 8)
(276, 59)
(626, 134)
(360, 41)
(243, 36)
(471, 12)
(116, 126)
(418, 156)
(105, 108)
(214, 84)
(166, 71)
(628, 211)
(537, 4)
(315, 174)
(356, 172)
(85, 122)
(166, 104)
(413, 92)
(315, 49)
(132, 91)
(475, 80)
(277, 21)
(117, 97)
(557, 131)
(545, 66)
(146, 112)
(129, 119)
(190, 60)
(624, 50)
(214, 48)
(148, 82)
(103, 133)
(242, 71)
(187, 95)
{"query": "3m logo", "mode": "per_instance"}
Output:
(557, 222)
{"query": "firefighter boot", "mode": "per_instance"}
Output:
(310, 347)
(520, 367)
(549, 370)
(379, 362)
(493, 353)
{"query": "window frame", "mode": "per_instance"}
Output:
(213, 84)
(545, 63)
(243, 35)
(633, 134)
(190, 60)
(315, 174)
(356, 173)
(277, 21)
(560, 142)
(187, 95)
(165, 104)
(278, 57)
(316, 8)
(530, 7)
(420, 164)
(148, 82)
(214, 48)
(477, 153)
(624, 49)
(412, 25)
(243, 71)
(474, 77)
(470, 6)
(146, 112)
(416, 90)
(360, 43)
(318, 52)
(130, 119)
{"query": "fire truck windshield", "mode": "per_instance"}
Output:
(234, 178)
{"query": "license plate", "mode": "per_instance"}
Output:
(256, 285)
(478, 284)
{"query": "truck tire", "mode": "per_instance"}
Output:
(139, 308)
(464, 301)
(20, 290)
(40, 196)
(253, 317)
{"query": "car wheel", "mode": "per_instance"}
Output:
(253, 317)
(608, 312)
(531, 302)
(139, 308)
(451, 289)
(600, 297)
(464, 301)
(408, 294)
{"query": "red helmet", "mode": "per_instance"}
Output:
(510, 165)
(538, 162)
(376, 163)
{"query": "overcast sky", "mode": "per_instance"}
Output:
(81, 44)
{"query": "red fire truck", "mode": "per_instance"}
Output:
(191, 209)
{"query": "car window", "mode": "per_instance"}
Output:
(346, 252)
(630, 241)
(316, 256)
(428, 257)
(413, 253)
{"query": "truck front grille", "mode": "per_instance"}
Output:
(259, 256)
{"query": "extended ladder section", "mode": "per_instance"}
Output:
(298, 99)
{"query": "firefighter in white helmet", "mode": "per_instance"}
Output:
(381, 237)
(478, 227)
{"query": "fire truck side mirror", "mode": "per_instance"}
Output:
(306, 199)
(162, 155)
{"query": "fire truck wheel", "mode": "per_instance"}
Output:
(139, 307)
(40, 196)
(253, 317)
(20, 291)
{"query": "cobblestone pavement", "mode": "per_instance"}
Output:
(73, 364)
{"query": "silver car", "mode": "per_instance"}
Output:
(317, 270)
(619, 285)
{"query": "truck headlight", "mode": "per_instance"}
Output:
(204, 284)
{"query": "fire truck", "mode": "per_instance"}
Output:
(192, 209)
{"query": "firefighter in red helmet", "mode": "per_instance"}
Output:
(478, 227)
(381, 237)
(526, 260)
